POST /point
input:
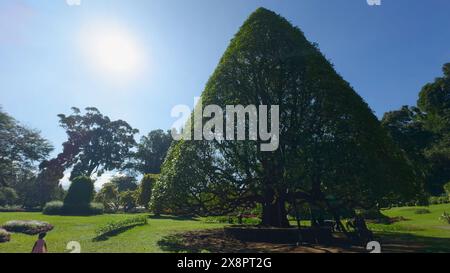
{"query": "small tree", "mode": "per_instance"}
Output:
(124, 183)
(145, 189)
(128, 200)
(447, 189)
(109, 197)
(79, 196)
(8, 196)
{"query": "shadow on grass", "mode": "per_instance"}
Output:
(170, 217)
(396, 242)
(212, 241)
(215, 241)
(105, 237)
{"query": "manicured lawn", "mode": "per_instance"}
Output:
(421, 232)
(82, 229)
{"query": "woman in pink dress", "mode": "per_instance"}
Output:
(40, 246)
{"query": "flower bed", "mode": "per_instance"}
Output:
(5, 236)
(27, 227)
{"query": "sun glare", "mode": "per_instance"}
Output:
(112, 51)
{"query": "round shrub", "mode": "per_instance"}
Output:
(5, 236)
(53, 208)
(80, 193)
(79, 197)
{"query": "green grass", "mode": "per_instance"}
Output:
(141, 239)
(426, 231)
(423, 229)
(426, 225)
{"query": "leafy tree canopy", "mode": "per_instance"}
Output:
(332, 153)
(152, 150)
(95, 144)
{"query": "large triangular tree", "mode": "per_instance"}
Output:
(333, 153)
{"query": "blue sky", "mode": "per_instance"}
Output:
(387, 52)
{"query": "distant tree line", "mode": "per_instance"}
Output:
(95, 145)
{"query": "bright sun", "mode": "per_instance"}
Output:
(112, 51)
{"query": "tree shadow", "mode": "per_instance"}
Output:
(216, 241)
(116, 232)
(395, 242)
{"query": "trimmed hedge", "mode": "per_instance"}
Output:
(27, 227)
(53, 208)
(116, 227)
(59, 208)
(5, 236)
(12, 209)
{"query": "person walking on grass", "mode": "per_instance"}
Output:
(40, 246)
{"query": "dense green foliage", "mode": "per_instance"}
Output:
(333, 153)
(58, 208)
(152, 150)
(78, 200)
(81, 192)
(145, 189)
(95, 144)
(53, 208)
(21, 150)
(124, 183)
(8, 196)
(109, 197)
(423, 132)
(128, 200)
(447, 188)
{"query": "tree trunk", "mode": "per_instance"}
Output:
(274, 211)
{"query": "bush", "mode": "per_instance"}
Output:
(27, 227)
(109, 197)
(53, 208)
(128, 200)
(12, 209)
(145, 189)
(5, 236)
(81, 192)
(422, 211)
(437, 200)
(97, 209)
(59, 208)
(79, 197)
(445, 217)
(447, 189)
(117, 227)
